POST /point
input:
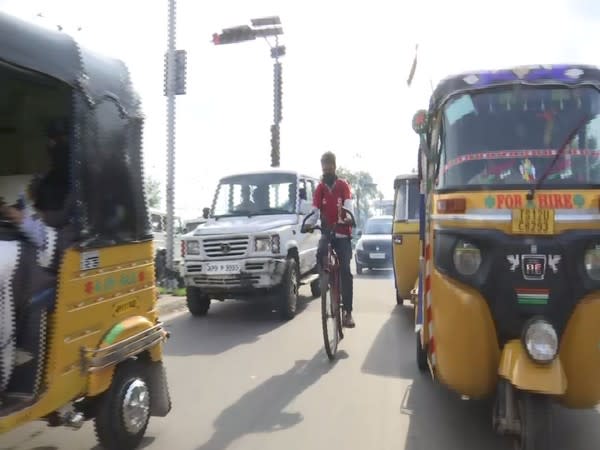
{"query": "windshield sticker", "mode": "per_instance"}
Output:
(542, 201)
(460, 108)
(527, 170)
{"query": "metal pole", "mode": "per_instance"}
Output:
(171, 142)
(276, 148)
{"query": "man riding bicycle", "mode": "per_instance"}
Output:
(333, 194)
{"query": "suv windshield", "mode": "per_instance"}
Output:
(508, 137)
(256, 194)
(379, 226)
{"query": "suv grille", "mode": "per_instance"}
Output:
(222, 248)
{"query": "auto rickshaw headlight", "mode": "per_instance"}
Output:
(467, 258)
(193, 247)
(592, 262)
(541, 341)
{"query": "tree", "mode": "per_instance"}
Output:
(153, 192)
(364, 191)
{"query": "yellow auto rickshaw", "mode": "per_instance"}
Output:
(510, 305)
(80, 337)
(406, 236)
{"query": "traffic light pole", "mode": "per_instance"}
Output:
(170, 88)
(277, 107)
(244, 33)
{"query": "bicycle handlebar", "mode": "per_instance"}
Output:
(318, 227)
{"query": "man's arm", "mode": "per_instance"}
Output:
(316, 211)
(348, 201)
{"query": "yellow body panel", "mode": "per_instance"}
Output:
(580, 354)
(522, 372)
(467, 357)
(406, 257)
(89, 305)
(466, 347)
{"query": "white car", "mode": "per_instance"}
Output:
(251, 247)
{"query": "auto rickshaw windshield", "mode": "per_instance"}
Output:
(507, 137)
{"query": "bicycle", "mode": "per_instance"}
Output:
(331, 314)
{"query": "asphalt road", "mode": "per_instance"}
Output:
(242, 379)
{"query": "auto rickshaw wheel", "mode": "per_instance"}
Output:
(198, 303)
(124, 410)
(422, 362)
(535, 413)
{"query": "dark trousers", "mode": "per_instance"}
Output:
(343, 248)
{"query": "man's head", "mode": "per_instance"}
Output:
(329, 166)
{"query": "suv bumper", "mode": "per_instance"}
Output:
(256, 274)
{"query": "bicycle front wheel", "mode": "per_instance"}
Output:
(330, 316)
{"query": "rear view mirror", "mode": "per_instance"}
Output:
(359, 233)
(420, 121)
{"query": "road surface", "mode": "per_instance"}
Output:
(242, 379)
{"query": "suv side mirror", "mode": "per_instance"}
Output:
(359, 233)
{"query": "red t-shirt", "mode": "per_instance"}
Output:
(330, 202)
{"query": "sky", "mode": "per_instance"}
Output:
(344, 75)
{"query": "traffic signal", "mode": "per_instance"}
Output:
(275, 146)
(277, 92)
(233, 35)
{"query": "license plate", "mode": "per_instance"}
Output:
(223, 268)
(377, 255)
(533, 221)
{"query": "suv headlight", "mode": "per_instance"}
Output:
(359, 245)
(540, 340)
(592, 263)
(467, 258)
(262, 244)
(193, 247)
(267, 244)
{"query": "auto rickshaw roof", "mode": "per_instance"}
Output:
(56, 54)
(536, 75)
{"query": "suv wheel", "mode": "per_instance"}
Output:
(289, 290)
(197, 302)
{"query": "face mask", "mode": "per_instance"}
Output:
(329, 178)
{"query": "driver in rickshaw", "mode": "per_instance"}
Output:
(42, 215)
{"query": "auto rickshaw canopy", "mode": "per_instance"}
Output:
(105, 129)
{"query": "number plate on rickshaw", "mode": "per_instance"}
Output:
(533, 221)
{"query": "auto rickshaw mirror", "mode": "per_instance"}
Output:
(420, 121)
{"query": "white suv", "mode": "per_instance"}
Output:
(251, 247)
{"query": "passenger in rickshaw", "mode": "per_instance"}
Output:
(42, 215)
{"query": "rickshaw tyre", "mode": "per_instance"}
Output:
(359, 269)
(315, 288)
(109, 426)
(535, 411)
(288, 294)
(422, 362)
(198, 303)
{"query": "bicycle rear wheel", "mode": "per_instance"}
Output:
(330, 316)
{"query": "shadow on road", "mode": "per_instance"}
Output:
(261, 410)
(226, 326)
(439, 419)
